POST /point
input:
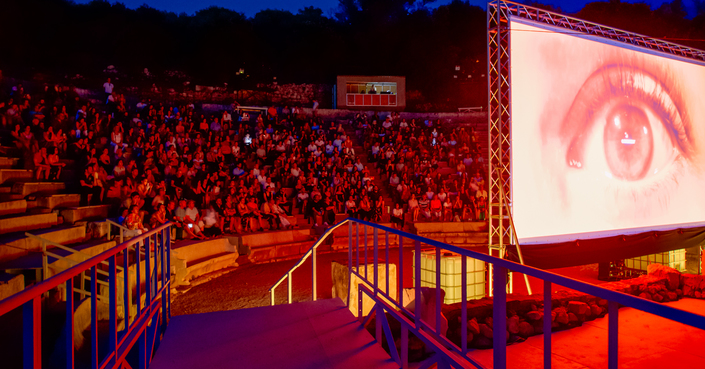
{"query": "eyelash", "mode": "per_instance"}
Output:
(622, 80)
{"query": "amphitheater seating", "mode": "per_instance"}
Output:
(76, 214)
(194, 259)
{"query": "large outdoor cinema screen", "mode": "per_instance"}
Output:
(607, 138)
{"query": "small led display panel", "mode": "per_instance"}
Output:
(607, 138)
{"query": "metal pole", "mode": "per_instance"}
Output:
(499, 318)
(464, 306)
(613, 335)
(417, 284)
(439, 303)
(375, 263)
(547, 324)
(313, 262)
(401, 271)
(386, 260)
(349, 261)
(288, 285)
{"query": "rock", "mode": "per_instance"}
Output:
(537, 325)
(698, 295)
(572, 318)
(687, 290)
(596, 310)
(672, 276)
(577, 307)
(602, 302)
(525, 329)
(657, 297)
(672, 296)
(483, 342)
(562, 318)
(486, 330)
(679, 293)
(488, 321)
(534, 315)
(473, 327)
(513, 325)
(470, 337)
(645, 295)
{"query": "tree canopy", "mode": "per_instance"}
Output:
(441, 51)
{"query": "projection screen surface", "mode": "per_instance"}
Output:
(606, 139)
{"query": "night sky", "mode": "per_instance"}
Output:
(251, 7)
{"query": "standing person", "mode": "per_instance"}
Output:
(108, 88)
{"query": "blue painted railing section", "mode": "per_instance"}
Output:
(148, 257)
(447, 353)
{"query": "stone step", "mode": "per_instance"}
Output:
(59, 201)
(211, 264)
(37, 188)
(278, 252)
(10, 151)
(449, 227)
(13, 207)
(14, 245)
(76, 214)
(15, 175)
(8, 163)
(23, 223)
(192, 259)
(271, 238)
(10, 284)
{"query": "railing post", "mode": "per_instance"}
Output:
(367, 280)
(375, 263)
(404, 347)
(110, 230)
(94, 318)
(386, 259)
(147, 272)
(464, 306)
(313, 262)
(439, 303)
(349, 261)
(138, 278)
(499, 317)
(112, 304)
(271, 297)
(288, 286)
(417, 284)
(547, 320)
(613, 335)
(32, 333)
(68, 325)
(45, 262)
(168, 275)
(126, 290)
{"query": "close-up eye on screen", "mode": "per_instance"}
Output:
(607, 138)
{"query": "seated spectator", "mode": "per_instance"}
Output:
(133, 223)
(397, 216)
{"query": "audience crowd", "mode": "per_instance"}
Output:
(241, 171)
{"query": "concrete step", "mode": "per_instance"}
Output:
(272, 238)
(192, 259)
(450, 227)
(211, 264)
(278, 252)
(8, 163)
(14, 245)
(13, 207)
(77, 214)
(37, 188)
(15, 175)
(23, 223)
(59, 201)
(10, 284)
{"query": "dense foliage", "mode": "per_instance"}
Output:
(376, 37)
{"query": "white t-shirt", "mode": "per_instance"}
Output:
(108, 87)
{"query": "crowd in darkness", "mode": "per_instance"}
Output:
(240, 171)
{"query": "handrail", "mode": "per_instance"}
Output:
(682, 316)
(120, 226)
(28, 294)
(383, 302)
(311, 251)
(154, 309)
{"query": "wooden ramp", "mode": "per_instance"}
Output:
(321, 334)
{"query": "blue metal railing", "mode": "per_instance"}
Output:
(448, 353)
(152, 250)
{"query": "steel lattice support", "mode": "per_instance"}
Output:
(499, 99)
(499, 120)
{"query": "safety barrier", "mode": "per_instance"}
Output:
(143, 329)
(447, 353)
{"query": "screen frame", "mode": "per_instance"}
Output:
(603, 40)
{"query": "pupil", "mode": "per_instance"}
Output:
(629, 144)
